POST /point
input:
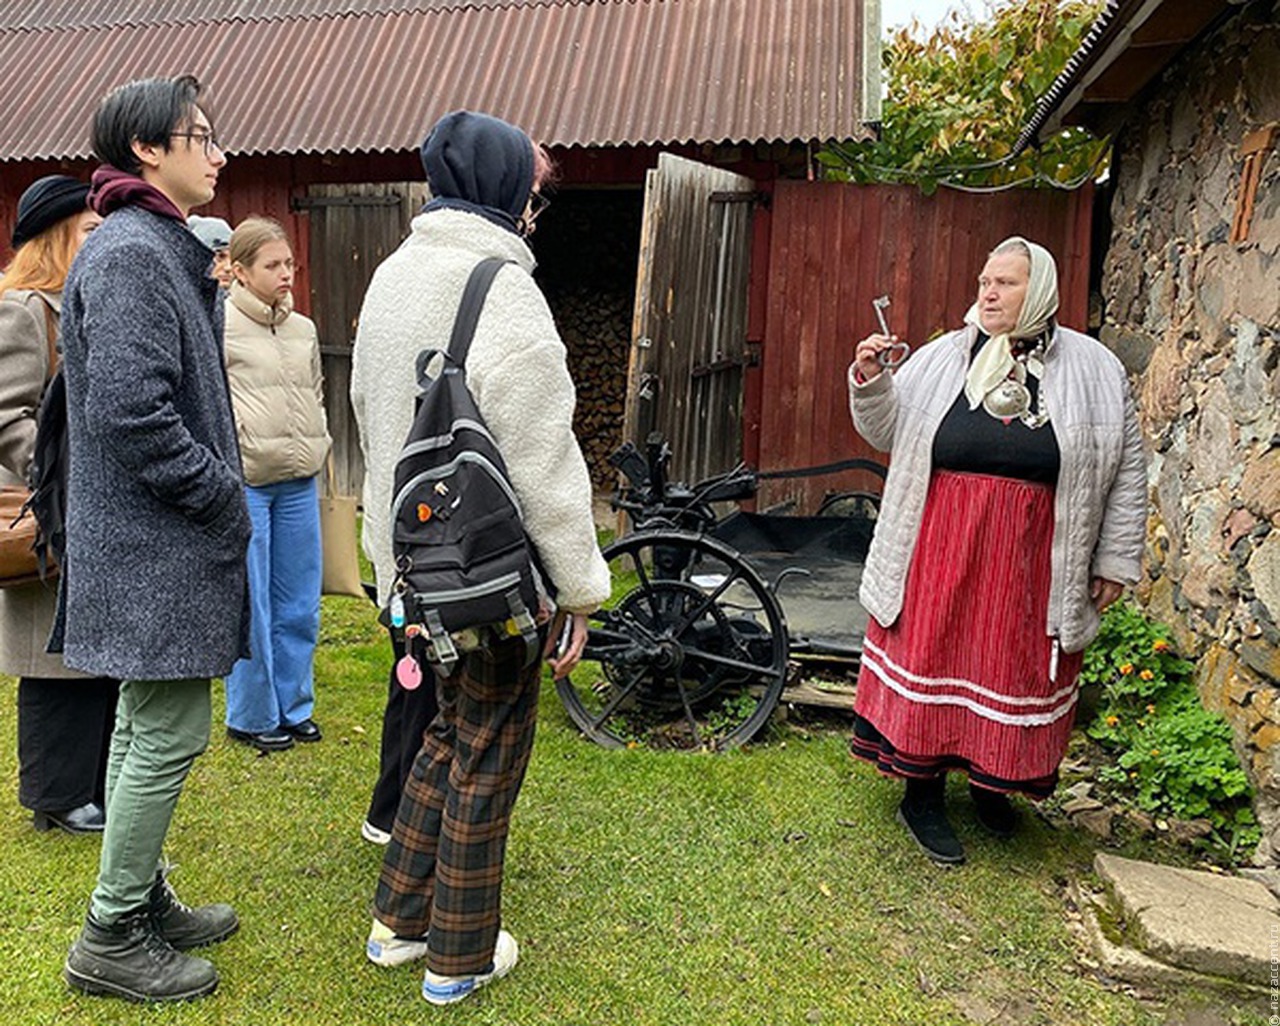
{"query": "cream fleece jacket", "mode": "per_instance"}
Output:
(1100, 504)
(516, 370)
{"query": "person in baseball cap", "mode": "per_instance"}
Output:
(215, 233)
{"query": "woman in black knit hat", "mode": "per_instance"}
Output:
(64, 717)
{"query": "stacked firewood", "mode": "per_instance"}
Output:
(596, 328)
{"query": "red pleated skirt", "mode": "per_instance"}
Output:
(966, 678)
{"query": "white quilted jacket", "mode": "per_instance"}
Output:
(1100, 505)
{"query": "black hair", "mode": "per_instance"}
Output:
(148, 110)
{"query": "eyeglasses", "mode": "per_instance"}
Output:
(537, 204)
(206, 139)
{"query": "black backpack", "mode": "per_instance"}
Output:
(48, 475)
(462, 557)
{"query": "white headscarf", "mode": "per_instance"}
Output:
(994, 360)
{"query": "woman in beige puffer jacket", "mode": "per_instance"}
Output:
(273, 365)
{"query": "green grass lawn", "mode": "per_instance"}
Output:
(768, 886)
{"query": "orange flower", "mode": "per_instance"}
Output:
(1112, 720)
(1146, 675)
(1126, 669)
(1151, 709)
(1160, 645)
(1155, 751)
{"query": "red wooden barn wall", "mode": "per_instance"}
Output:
(247, 185)
(831, 248)
(265, 184)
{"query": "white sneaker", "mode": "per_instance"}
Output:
(384, 948)
(373, 835)
(445, 990)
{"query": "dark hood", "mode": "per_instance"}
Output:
(479, 163)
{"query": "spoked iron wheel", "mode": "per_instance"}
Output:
(690, 652)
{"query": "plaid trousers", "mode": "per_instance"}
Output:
(442, 871)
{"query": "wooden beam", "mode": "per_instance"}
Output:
(1254, 148)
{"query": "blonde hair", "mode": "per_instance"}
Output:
(42, 262)
(251, 235)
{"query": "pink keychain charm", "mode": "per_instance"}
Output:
(409, 673)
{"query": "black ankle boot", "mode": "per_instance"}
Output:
(994, 812)
(185, 927)
(923, 812)
(129, 959)
(83, 819)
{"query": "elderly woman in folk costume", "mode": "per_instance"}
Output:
(1013, 514)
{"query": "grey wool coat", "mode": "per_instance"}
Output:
(154, 584)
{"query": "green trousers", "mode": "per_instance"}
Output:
(161, 726)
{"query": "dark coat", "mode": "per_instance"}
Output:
(154, 586)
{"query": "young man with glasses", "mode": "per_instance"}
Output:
(154, 587)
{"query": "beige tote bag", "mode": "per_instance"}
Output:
(341, 575)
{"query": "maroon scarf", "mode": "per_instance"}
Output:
(111, 189)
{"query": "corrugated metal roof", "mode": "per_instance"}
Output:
(346, 78)
(26, 15)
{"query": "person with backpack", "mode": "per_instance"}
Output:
(277, 391)
(439, 895)
(153, 587)
(64, 716)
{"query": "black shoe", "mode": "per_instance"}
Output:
(88, 818)
(304, 731)
(184, 927)
(994, 812)
(129, 959)
(925, 817)
(267, 741)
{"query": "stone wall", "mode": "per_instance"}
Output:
(1197, 321)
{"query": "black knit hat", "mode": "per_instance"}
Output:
(46, 202)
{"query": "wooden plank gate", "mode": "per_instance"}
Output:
(833, 247)
(353, 228)
(688, 356)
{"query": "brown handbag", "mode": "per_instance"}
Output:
(17, 539)
(18, 563)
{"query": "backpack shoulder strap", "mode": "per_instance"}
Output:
(472, 302)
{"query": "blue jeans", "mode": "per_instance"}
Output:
(274, 686)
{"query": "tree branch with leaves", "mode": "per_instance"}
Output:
(959, 97)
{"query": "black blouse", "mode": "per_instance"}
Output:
(975, 442)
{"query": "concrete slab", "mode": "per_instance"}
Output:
(1217, 925)
(1132, 966)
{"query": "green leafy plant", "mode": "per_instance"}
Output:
(1172, 756)
(958, 99)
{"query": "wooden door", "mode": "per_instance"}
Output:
(353, 229)
(685, 374)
